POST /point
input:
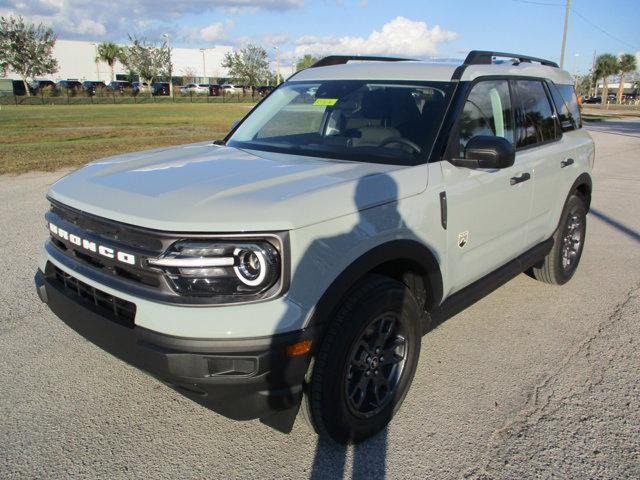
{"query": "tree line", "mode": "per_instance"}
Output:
(605, 66)
(27, 49)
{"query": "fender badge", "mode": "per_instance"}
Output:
(463, 239)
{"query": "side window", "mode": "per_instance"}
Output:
(536, 121)
(567, 122)
(487, 111)
(569, 95)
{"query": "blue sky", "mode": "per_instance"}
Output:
(420, 28)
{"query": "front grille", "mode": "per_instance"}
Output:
(122, 311)
(126, 234)
(114, 235)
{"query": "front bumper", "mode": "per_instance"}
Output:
(241, 379)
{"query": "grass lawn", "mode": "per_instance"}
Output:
(57, 136)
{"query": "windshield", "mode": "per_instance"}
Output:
(383, 122)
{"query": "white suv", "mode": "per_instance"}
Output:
(300, 260)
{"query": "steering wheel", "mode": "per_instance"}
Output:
(401, 141)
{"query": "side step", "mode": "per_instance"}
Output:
(469, 295)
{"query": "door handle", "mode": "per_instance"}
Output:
(520, 178)
(566, 163)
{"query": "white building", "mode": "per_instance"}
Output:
(76, 60)
(629, 87)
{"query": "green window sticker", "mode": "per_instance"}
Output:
(325, 102)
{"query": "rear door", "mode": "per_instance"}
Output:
(488, 209)
(540, 150)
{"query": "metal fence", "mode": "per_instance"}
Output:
(115, 97)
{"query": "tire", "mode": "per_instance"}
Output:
(353, 391)
(568, 241)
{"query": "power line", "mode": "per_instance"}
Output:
(603, 31)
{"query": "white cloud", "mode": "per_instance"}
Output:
(276, 38)
(89, 27)
(71, 24)
(210, 33)
(400, 36)
(82, 19)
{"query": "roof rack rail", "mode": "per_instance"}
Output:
(485, 57)
(342, 59)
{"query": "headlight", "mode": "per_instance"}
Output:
(240, 269)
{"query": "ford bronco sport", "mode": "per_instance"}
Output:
(299, 261)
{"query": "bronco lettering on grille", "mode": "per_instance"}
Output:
(92, 246)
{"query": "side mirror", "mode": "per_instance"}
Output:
(566, 125)
(487, 151)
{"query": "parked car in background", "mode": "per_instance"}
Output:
(39, 86)
(194, 88)
(161, 89)
(6, 87)
(228, 89)
(69, 85)
(10, 87)
(92, 87)
(264, 90)
(18, 88)
(141, 87)
(214, 89)
(119, 86)
(595, 99)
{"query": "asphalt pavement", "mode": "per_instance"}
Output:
(533, 381)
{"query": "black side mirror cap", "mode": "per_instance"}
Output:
(487, 151)
(566, 125)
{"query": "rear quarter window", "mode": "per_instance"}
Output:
(569, 95)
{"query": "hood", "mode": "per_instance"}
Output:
(208, 188)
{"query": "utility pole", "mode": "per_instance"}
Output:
(277, 66)
(564, 34)
(204, 66)
(593, 72)
(95, 52)
(168, 37)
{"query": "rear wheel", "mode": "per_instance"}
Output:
(366, 363)
(568, 241)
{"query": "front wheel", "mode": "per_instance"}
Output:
(568, 241)
(366, 363)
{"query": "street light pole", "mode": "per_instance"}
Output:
(277, 66)
(575, 73)
(564, 34)
(95, 52)
(168, 37)
(204, 66)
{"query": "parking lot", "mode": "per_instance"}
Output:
(533, 381)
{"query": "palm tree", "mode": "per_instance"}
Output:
(606, 65)
(306, 62)
(626, 64)
(109, 52)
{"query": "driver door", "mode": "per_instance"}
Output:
(488, 209)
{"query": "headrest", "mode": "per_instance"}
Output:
(376, 104)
